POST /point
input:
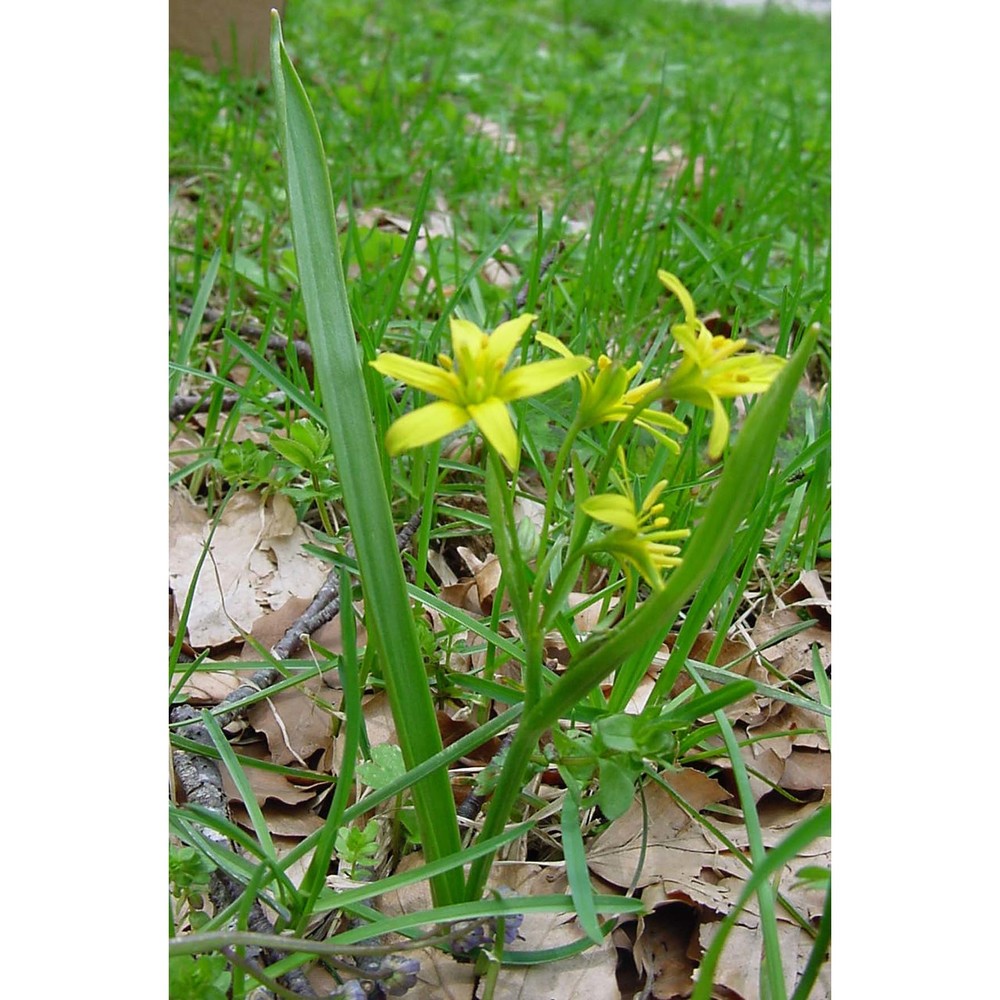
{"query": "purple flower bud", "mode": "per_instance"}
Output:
(402, 974)
(477, 937)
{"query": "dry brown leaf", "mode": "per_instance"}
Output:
(440, 974)
(268, 786)
(286, 821)
(740, 963)
(589, 974)
(437, 562)
(792, 656)
(674, 161)
(209, 687)
(435, 223)
(501, 273)
(662, 950)
(735, 656)
(463, 595)
(794, 720)
(256, 562)
(295, 725)
(379, 726)
(287, 807)
(441, 977)
(674, 845)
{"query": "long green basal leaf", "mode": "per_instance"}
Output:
(746, 468)
(349, 420)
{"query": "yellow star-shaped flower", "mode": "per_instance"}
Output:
(472, 385)
(608, 398)
(709, 372)
(639, 538)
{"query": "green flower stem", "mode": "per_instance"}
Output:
(321, 506)
(747, 466)
(555, 482)
(349, 421)
(501, 505)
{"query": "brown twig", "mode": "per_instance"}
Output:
(254, 331)
(522, 296)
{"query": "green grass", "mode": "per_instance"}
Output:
(666, 135)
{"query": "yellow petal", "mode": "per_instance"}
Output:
(656, 417)
(643, 392)
(466, 339)
(429, 423)
(667, 442)
(653, 495)
(506, 337)
(419, 374)
(744, 375)
(553, 344)
(612, 508)
(674, 284)
(720, 429)
(493, 420)
(530, 380)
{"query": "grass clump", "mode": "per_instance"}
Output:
(649, 195)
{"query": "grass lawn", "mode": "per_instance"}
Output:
(486, 161)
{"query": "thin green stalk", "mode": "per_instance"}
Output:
(551, 493)
(499, 498)
(358, 459)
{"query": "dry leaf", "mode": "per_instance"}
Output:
(674, 843)
(662, 950)
(589, 974)
(256, 562)
(209, 687)
(739, 965)
(792, 656)
(297, 822)
(295, 725)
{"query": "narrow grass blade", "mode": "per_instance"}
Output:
(193, 324)
(348, 897)
(482, 909)
(241, 782)
(576, 868)
(349, 421)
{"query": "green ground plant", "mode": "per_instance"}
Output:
(621, 405)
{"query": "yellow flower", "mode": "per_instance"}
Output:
(472, 385)
(638, 538)
(709, 373)
(608, 398)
